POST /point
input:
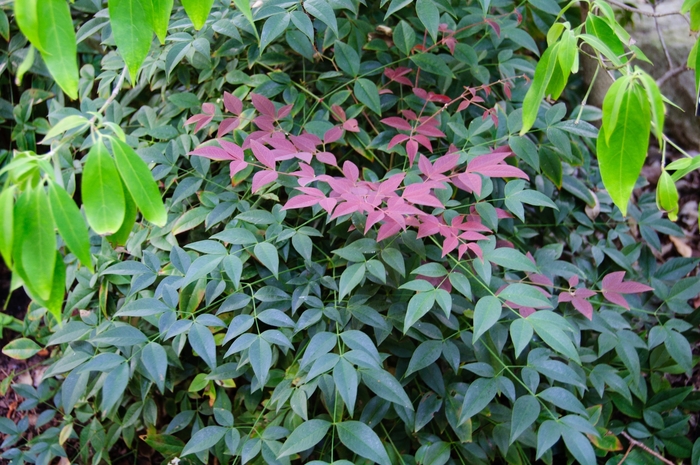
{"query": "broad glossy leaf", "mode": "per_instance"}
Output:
(525, 295)
(323, 11)
(478, 396)
(419, 305)
(198, 11)
(426, 354)
(27, 18)
(346, 379)
(579, 446)
(58, 45)
(536, 93)
(204, 439)
(260, 355)
(510, 259)
(132, 30)
(138, 180)
(70, 223)
(429, 15)
(38, 246)
(351, 277)
(159, 16)
(548, 434)
(267, 254)
(347, 58)
(122, 235)
(621, 153)
(363, 441)
(7, 204)
(102, 192)
(667, 195)
(274, 27)
(304, 437)
(521, 333)
(551, 328)
(114, 387)
(383, 384)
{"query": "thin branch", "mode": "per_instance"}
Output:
(112, 96)
(646, 449)
(671, 73)
(663, 42)
(651, 14)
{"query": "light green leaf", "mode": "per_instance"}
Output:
(656, 101)
(366, 92)
(122, 235)
(486, 314)
(419, 305)
(138, 180)
(267, 254)
(28, 21)
(431, 63)
(7, 224)
(70, 224)
(244, 7)
(38, 244)
(102, 193)
(667, 195)
(360, 439)
(525, 411)
(536, 93)
(204, 439)
(304, 437)
(21, 349)
(198, 11)
(58, 45)
(159, 16)
(66, 124)
(621, 158)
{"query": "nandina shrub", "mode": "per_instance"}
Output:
(362, 261)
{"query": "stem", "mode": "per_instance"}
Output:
(112, 96)
(634, 443)
(588, 93)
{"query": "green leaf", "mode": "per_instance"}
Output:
(551, 328)
(58, 46)
(159, 16)
(461, 284)
(321, 10)
(267, 254)
(419, 305)
(66, 124)
(679, 349)
(383, 384)
(202, 341)
(244, 7)
(28, 21)
(366, 92)
(234, 268)
(429, 15)
(621, 158)
(114, 386)
(511, 259)
(486, 314)
(346, 380)
(351, 277)
(525, 295)
(165, 444)
(563, 399)
(7, 224)
(526, 150)
(404, 37)
(122, 235)
(21, 349)
(426, 354)
(431, 63)
(274, 27)
(548, 434)
(132, 32)
(38, 244)
(155, 360)
(360, 439)
(204, 439)
(260, 355)
(667, 195)
(198, 11)
(4, 26)
(478, 396)
(394, 259)
(521, 333)
(550, 163)
(347, 58)
(536, 92)
(70, 224)
(656, 101)
(58, 289)
(525, 411)
(102, 193)
(579, 446)
(304, 437)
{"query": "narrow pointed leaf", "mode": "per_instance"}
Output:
(70, 223)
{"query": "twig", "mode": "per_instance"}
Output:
(624, 457)
(641, 445)
(670, 74)
(112, 96)
(651, 14)
(663, 42)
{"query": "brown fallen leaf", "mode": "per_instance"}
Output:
(683, 249)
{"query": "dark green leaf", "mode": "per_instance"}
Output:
(360, 439)
(525, 411)
(304, 437)
(204, 439)
(431, 63)
(347, 58)
(486, 314)
(267, 254)
(366, 92)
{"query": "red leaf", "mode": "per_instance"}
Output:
(411, 150)
(237, 166)
(263, 178)
(264, 105)
(332, 135)
(351, 125)
(226, 126)
(351, 171)
(338, 113)
(613, 282)
(397, 139)
(327, 158)
(232, 149)
(495, 26)
(208, 109)
(397, 123)
(263, 154)
(233, 104)
(211, 152)
(463, 105)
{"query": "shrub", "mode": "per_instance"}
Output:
(386, 268)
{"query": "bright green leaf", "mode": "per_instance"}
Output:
(58, 45)
(70, 224)
(198, 11)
